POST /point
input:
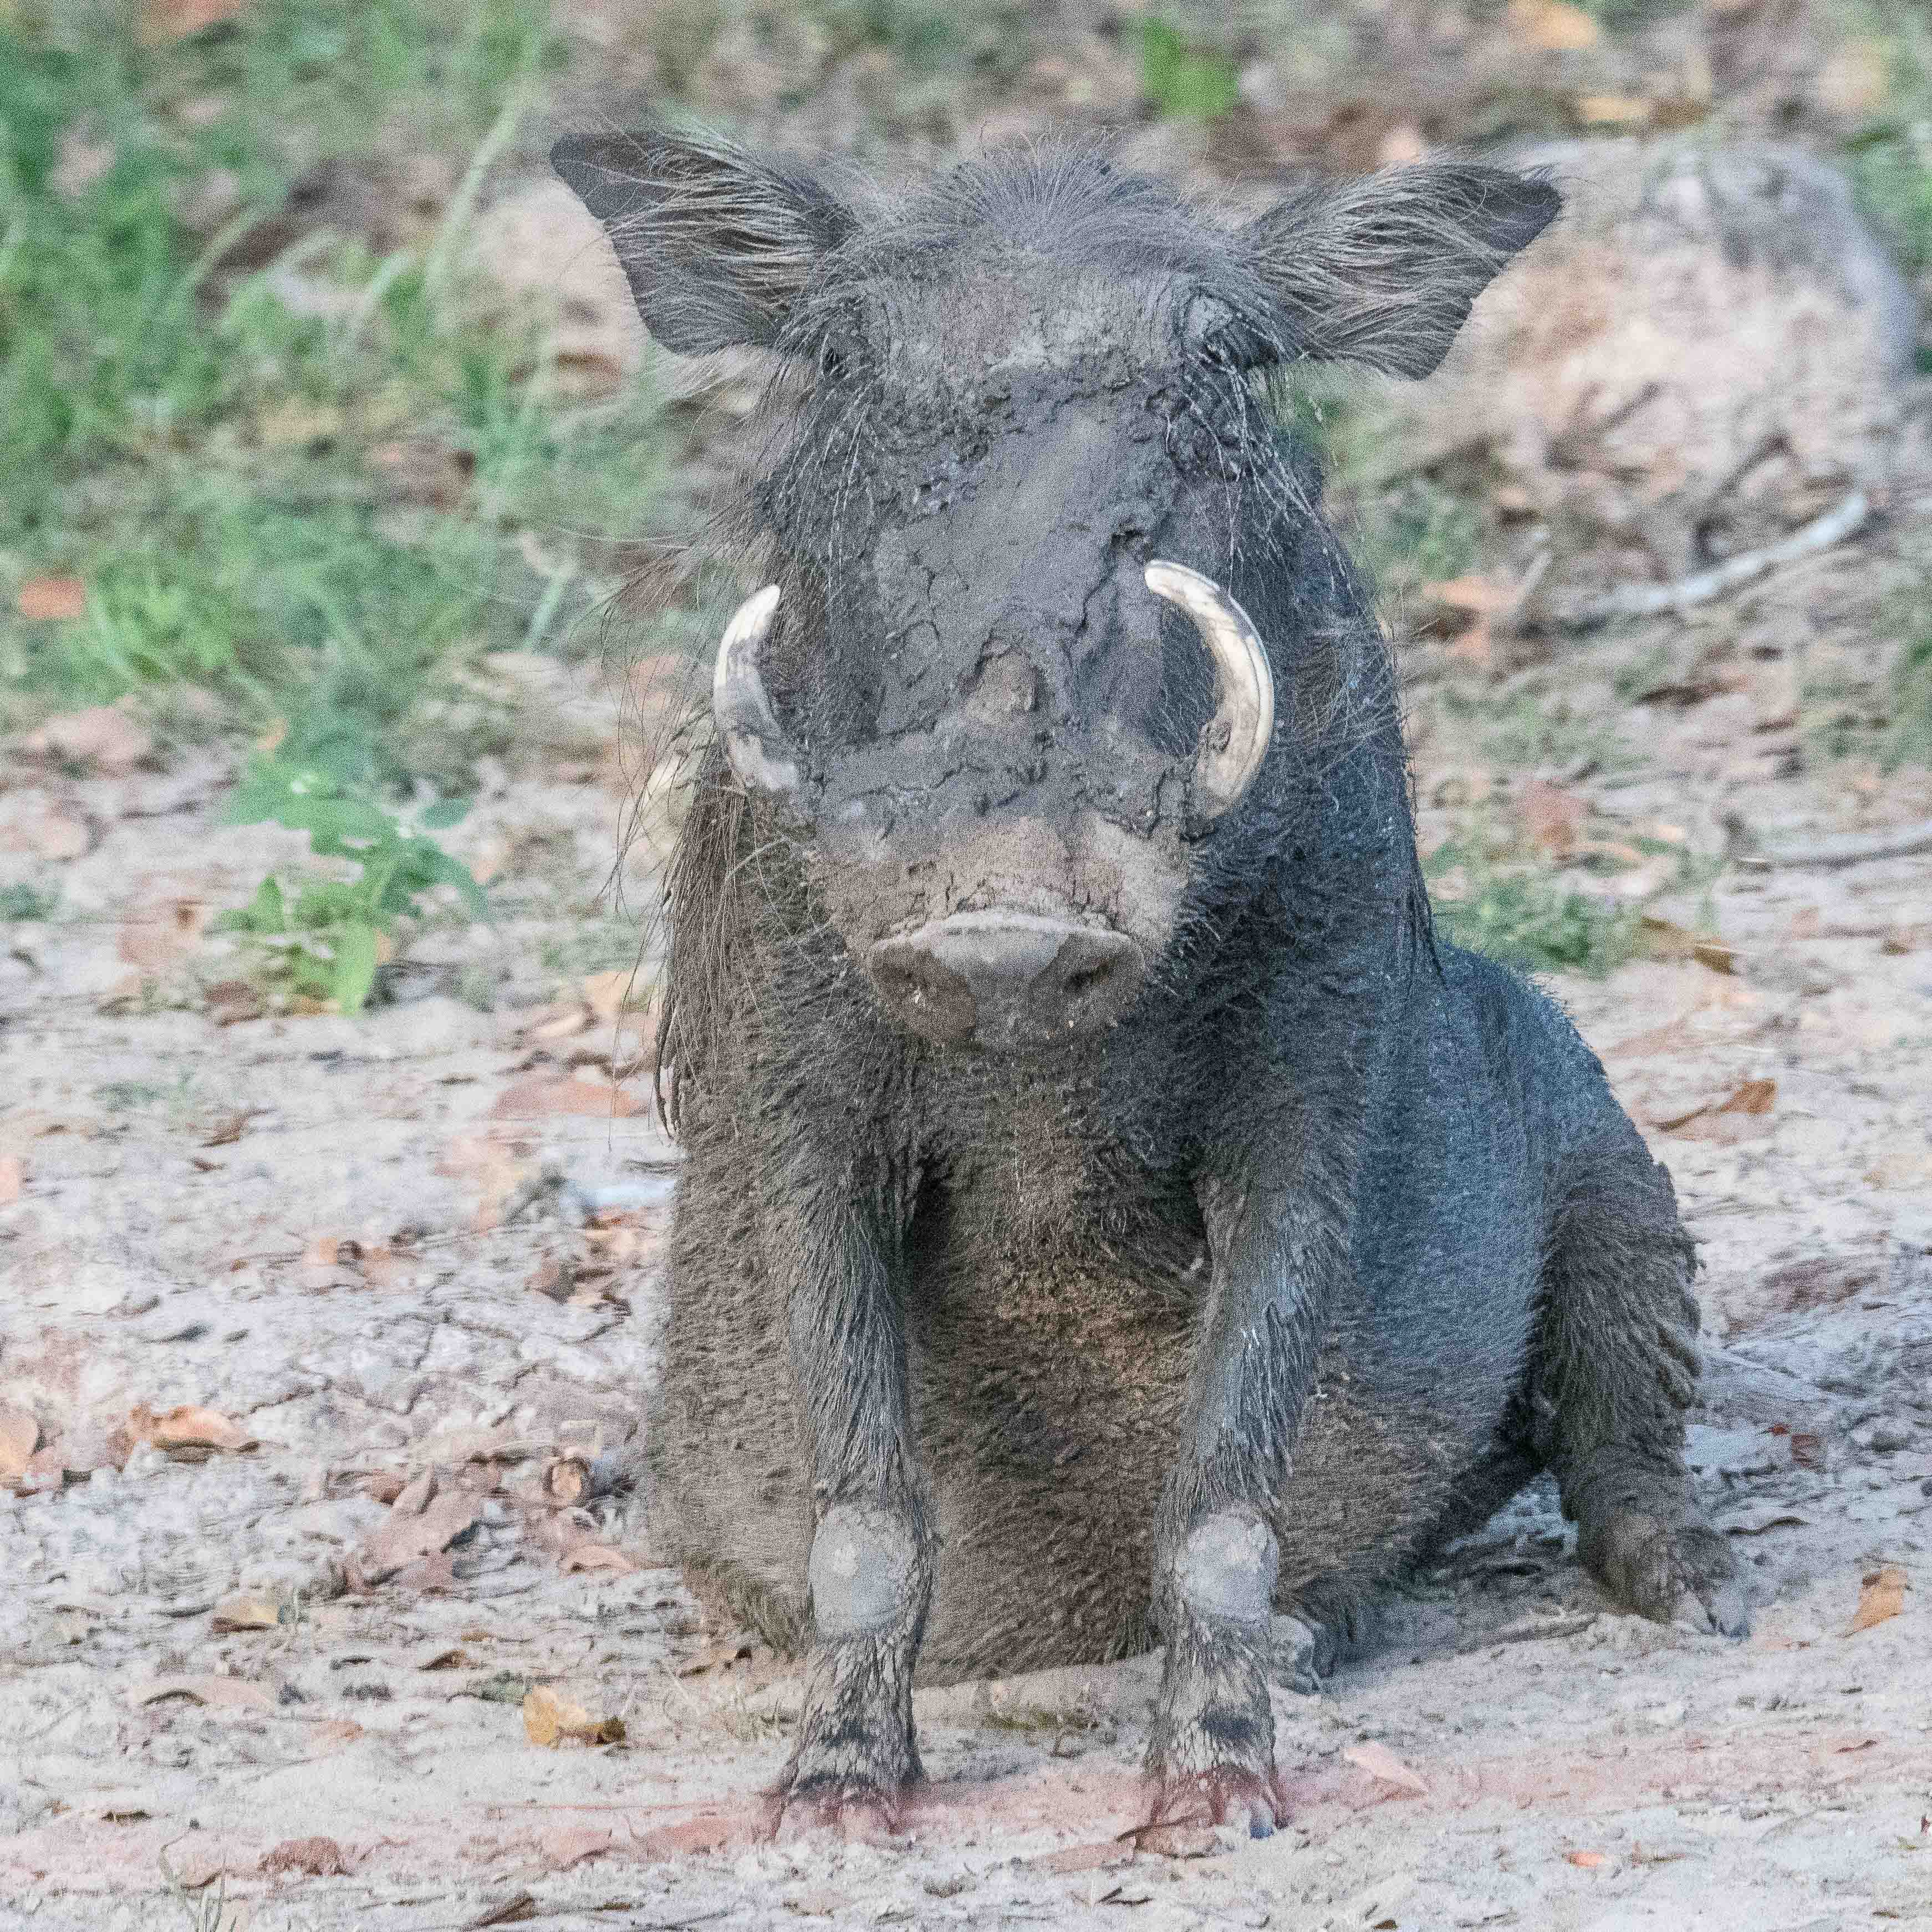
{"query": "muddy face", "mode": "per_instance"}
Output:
(999, 687)
(998, 742)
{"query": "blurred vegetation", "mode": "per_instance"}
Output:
(210, 441)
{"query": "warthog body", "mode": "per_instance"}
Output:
(1111, 1214)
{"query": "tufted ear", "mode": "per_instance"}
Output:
(1383, 269)
(718, 244)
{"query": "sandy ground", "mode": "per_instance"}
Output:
(421, 1247)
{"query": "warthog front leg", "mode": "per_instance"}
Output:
(871, 1567)
(1278, 1251)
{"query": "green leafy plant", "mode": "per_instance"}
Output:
(1183, 79)
(328, 937)
(27, 901)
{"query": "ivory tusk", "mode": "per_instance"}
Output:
(741, 707)
(1236, 739)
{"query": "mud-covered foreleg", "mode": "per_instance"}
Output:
(1616, 1369)
(1278, 1252)
(871, 1572)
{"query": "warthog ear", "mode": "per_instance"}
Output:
(718, 244)
(1383, 269)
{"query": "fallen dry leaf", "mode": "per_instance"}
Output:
(165, 939)
(516, 1909)
(551, 1720)
(1553, 26)
(719, 1655)
(1589, 1860)
(608, 994)
(1741, 1115)
(1612, 110)
(246, 1610)
(20, 1437)
(187, 1433)
(1382, 1764)
(543, 1097)
(103, 736)
(1882, 1597)
(223, 1694)
(313, 1857)
(420, 1525)
(1665, 939)
(1551, 817)
(597, 1556)
(564, 1846)
(13, 1177)
(52, 600)
(230, 1002)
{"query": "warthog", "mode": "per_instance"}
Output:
(1111, 1213)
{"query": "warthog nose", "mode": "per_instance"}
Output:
(1006, 980)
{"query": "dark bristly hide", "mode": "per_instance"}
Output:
(1111, 1214)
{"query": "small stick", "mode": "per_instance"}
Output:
(1651, 600)
(1847, 848)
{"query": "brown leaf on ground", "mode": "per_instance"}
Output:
(516, 1909)
(52, 600)
(497, 1169)
(608, 994)
(13, 1177)
(1553, 26)
(311, 1858)
(720, 1654)
(1741, 1115)
(597, 1556)
(551, 1719)
(218, 1694)
(1551, 817)
(544, 1096)
(20, 1437)
(564, 1846)
(225, 1129)
(1176, 1841)
(161, 940)
(103, 736)
(1882, 1597)
(1382, 1764)
(1589, 1860)
(182, 1431)
(1665, 939)
(421, 1524)
(229, 1002)
(246, 1610)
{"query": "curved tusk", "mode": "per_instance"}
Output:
(1236, 739)
(754, 741)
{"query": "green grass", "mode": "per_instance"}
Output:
(213, 453)
(1184, 78)
(311, 482)
(28, 902)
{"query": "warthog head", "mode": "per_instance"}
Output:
(1050, 624)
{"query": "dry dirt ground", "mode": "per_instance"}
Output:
(422, 1244)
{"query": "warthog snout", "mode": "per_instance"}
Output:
(1010, 980)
